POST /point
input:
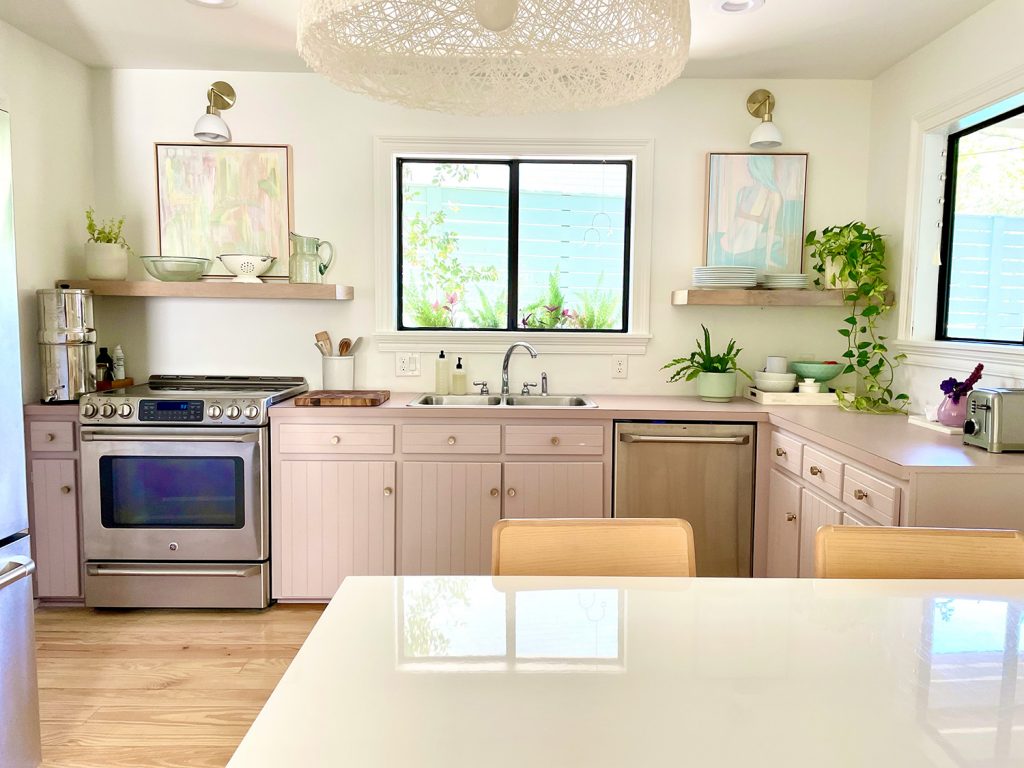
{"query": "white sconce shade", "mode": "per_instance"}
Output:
(211, 126)
(766, 136)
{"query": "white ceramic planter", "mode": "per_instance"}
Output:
(105, 261)
(717, 387)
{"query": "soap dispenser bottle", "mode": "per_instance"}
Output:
(441, 375)
(459, 379)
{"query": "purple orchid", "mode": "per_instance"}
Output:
(954, 389)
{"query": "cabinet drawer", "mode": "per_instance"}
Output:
(337, 438)
(51, 436)
(554, 440)
(851, 519)
(787, 452)
(873, 498)
(451, 438)
(822, 472)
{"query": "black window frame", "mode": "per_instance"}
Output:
(514, 163)
(946, 239)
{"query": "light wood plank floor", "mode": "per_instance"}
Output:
(158, 689)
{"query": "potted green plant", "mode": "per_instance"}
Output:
(106, 251)
(852, 257)
(715, 374)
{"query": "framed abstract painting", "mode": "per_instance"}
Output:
(229, 198)
(755, 211)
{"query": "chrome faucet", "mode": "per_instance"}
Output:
(504, 365)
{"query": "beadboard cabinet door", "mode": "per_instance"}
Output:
(336, 519)
(783, 526)
(814, 513)
(554, 489)
(447, 513)
(55, 528)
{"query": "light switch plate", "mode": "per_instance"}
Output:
(407, 364)
(620, 366)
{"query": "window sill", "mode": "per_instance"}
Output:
(498, 341)
(999, 359)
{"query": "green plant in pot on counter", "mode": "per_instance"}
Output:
(852, 257)
(715, 374)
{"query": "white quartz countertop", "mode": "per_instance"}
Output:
(606, 673)
(889, 443)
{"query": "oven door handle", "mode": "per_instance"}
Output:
(127, 570)
(115, 437)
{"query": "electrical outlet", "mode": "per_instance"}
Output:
(407, 364)
(620, 366)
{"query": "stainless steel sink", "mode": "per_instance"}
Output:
(474, 401)
(550, 401)
(492, 401)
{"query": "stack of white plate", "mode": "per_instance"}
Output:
(725, 277)
(785, 280)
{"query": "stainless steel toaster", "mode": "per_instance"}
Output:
(995, 419)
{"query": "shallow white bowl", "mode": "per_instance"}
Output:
(246, 267)
(768, 376)
(175, 269)
(773, 386)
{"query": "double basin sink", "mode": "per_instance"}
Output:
(503, 401)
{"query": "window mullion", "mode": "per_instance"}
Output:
(513, 246)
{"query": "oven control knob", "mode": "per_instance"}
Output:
(214, 411)
(107, 410)
(233, 412)
(89, 410)
(124, 410)
(251, 411)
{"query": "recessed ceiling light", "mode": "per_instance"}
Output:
(738, 6)
(214, 3)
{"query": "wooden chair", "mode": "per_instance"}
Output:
(870, 552)
(593, 547)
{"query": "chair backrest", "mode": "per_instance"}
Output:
(593, 547)
(874, 552)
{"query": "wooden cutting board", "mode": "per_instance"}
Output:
(343, 397)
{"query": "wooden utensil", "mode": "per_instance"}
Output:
(343, 397)
(344, 346)
(323, 342)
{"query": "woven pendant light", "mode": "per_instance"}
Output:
(497, 57)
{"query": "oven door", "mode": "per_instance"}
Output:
(175, 494)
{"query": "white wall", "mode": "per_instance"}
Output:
(331, 132)
(974, 57)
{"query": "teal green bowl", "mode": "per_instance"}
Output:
(820, 372)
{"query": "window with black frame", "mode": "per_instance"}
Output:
(981, 277)
(513, 244)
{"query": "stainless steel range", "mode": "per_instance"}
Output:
(175, 491)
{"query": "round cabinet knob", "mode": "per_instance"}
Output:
(233, 412)
(50, 437)
(173, 546)
(780, 451)
(970, 427)
(555, 440)
(790, 517)
(214, 411)
(107, 410)
(511, 491)
(860, 495)
(65, 489)
(387, 491)
(251, 411)
(89, 410)
(451, 439)
(494, 491)
(124, 410)
(335, 439)
(816, 471)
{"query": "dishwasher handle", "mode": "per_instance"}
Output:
(627, 437)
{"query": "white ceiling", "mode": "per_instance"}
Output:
(786, 38)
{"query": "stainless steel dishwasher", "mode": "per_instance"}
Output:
(700, 472)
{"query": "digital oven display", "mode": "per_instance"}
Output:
(171, 410)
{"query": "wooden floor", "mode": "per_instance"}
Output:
(158, 688)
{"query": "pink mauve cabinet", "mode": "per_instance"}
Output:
(554, 489)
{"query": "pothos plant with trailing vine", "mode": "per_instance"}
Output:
(852, 257)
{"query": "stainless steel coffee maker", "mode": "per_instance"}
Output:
(67, 344)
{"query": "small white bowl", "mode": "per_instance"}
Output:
(246, 267)
(791, 377)
(774, 382)
(772, 386)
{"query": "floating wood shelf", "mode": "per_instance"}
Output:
(761, 297)
(213, 289)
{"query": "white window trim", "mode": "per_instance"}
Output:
(387, 336)
(918, 299)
